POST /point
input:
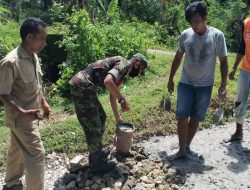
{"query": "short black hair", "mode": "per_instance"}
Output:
(31, 26)
(198, 7)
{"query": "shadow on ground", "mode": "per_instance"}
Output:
(182, 168)
(241, 157)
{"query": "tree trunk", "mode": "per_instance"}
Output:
(47, 4)
(14, 9)
(81, 4)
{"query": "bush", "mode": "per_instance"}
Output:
(58, 13)
(9, 37)
(124, 38)
(83, 45)
(89, 41)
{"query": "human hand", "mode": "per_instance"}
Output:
(222, 91)
(46, 110)
(119, 120)
(170, 86)
(232, 74)
(124, 105)
(31, 114)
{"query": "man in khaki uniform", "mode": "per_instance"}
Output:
(21, 93)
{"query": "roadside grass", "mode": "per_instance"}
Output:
(63, 133)
(4, 143)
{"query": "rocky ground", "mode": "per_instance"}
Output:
(221, 165)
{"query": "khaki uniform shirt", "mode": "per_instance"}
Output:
(20, 77)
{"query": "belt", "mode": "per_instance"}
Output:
(89, 71)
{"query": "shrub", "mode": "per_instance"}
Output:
(89, 41)
(127, 38)
(9, 37)
(83, 45)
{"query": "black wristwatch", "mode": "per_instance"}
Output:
(122, 100)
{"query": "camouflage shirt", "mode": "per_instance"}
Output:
(96, 72)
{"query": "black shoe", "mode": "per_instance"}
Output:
(99, 155)
(103, 167)
(14, 187)
(104, 153)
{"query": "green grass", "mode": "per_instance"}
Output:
(9, 37)
(4, 140)
(145, 96)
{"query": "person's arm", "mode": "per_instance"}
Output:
(222, 91)
(113, 103)
(237, 61)
(31, 114)
(111, 87)
(7, 77)
(239, 56)
(114, 96)
(45, 107)
(175, 65)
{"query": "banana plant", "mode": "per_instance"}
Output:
(111, 10)
(102, 5)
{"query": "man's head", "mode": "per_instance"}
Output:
(138, 65)
(196, 14)
(33, 34)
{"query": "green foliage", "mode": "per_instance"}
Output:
(4, 142)
(126, 38)
(36, 12)
(4, 12)
(112, 12)
(83, 46)
(58, 13)
(146, 10)
(89, 41)
(9, 37)
(224, 15)
(175, 20)
(235, 13)
(102, 5)
(168, 14)
(64, 137)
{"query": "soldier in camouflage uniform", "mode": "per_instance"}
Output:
(110, 74)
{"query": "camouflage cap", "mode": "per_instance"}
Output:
(142, 59)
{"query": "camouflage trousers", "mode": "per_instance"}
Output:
(91, 116)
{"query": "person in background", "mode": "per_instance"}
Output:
(21, 94)
(243, 80)
(109, 74)
(201, 44)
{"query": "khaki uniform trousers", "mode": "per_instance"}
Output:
(26, 155)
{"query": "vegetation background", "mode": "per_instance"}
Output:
(82, 31)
